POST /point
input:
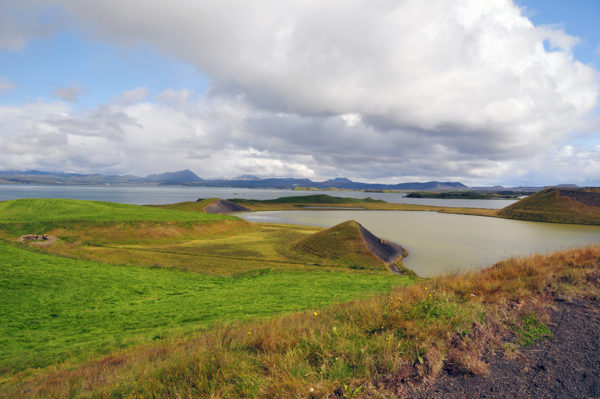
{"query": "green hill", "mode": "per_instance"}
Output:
(45, 210)
(558, 205)
(352, 244)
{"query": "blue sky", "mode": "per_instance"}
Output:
(103, 69)
(577, 17)
(291, 89)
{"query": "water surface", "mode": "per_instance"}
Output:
(142, 195)
(441, 243)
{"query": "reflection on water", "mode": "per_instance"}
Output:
(442, 243)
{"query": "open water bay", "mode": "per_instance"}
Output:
(443, 243)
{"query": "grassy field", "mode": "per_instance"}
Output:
(370, 347)
(49, 210)
(128, 275)
(134, 302)
(55, 309)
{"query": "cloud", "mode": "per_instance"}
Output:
(224, 136)
(133, 96)
(27, 19)
(386, 90)
(5, 85)
(70, 93)
(478, 68)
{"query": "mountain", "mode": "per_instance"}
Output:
(189, 178)
(61, 178)
(558, 205)
(175, 178)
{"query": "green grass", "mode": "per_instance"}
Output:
(342, 243)
(556, 206)
(311, 199)
(56, 309)
(50, 210)
(531, 330)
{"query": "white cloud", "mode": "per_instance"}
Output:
(70, 93)
(133, 96)
(221, 136)
(26, 19)
(376, 90)
(479, 68)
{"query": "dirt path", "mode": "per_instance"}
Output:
(567, 366)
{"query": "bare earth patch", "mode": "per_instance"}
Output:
(38, 239)
(566, 366)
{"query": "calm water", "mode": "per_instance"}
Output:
(141, 195)
(441, 243)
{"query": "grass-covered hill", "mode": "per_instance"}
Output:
(351, 244)
(48, 210)
(558, 205)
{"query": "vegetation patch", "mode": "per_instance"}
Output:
(54, 210)
(56, 309)
(346, 243)
(531, 330)
(367, 348)
(558, 205)
(466, 194)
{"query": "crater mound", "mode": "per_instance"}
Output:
(353, 245)
(558, 205)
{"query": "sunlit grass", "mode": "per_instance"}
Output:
(55, 308)
(377, 344)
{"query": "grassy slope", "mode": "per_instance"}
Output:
(550, 206)
(54, 308)
(342, 242)
(26, 216)
(48, 210)
(378, 344)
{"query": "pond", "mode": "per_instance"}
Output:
(444, 243)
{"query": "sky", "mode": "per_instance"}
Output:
(495, 92)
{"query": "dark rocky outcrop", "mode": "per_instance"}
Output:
(224, 206)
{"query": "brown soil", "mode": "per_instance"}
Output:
(38, 239)
(567, 366)
(223, 206)
(587, 197)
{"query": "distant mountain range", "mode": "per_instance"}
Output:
(189, 178)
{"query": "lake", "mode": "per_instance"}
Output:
(157, 195)
(443, 243)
